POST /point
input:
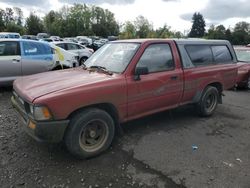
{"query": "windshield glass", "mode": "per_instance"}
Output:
(114, 57)
(243, 55)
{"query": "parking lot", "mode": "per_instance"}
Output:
(171, 149)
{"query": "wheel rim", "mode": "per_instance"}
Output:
(210, 102)
(93, 135)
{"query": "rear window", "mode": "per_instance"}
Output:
(207, 54)
(221, 54)
(200, 54)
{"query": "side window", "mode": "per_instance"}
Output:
(33, 48)
(80, 47)
(157, 57)
(72, 47)
(61, 46)
(9, 48)
(221, 54)
(200, 54)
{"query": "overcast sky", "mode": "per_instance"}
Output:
(175, 13)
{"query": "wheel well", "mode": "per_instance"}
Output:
(83, 57)
(107, 107)
(217, 85)
(59, 67)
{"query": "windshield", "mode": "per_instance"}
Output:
(114, 57)
(243, 55)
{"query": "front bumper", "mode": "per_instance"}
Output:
(46, 131)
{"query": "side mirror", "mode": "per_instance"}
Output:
(140, 71)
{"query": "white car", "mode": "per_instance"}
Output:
(84, 39)
(11, 35)
(64, 59)
(83, 52)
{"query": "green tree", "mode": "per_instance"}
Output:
(2, 23)
(164, 32)
(228, 35)
(13, 27)
(76, 18)
(11, 21)
(178, 35)
(218, 32)
(8, 16)
(242, 26)
(19, 16)
(54, 23)
(143, 27)
(81, 19)
(241, 33)
(129, 31)
(103, 22)
(34, 24)
(198, 27)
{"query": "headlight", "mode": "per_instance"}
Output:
(31, 109)
(40, 113)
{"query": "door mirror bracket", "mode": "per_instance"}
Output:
(140, 71)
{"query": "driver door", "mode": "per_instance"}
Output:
(161, 88)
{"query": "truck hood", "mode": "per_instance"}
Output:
(34, 86)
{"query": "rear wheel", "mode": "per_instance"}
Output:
(90, 133)
(208, 102)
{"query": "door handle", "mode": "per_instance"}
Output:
(16, 60)
(174, 77)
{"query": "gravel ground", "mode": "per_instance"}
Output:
(155, 151)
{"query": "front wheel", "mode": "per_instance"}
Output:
(90, 133)
(208, 102)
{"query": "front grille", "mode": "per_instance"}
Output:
(21, 103)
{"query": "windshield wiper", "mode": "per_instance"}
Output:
(97, 67)
(100, 68)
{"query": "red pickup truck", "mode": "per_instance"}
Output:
(122, 81)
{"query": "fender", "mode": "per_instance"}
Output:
(197, 97)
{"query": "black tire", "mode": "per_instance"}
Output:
(208, 102)
(59, 68)
(87, 127)
(82, 60)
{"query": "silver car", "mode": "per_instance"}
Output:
(83, 52)
(20, 57)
